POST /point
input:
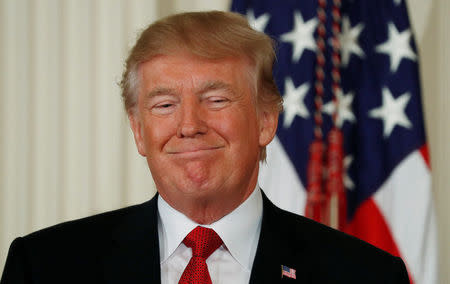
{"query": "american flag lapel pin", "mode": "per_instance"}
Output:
(288, 272)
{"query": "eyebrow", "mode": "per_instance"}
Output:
(215, 85)
(159, 91)
(205, 87)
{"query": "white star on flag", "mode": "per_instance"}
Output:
(302, 36)
(397, 2)
(392, 112)
(259, 23)
(344, 108)
(348, 182)
(397, 46)
(349, 40)
(293, 102)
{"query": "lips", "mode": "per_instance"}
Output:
(193, 149)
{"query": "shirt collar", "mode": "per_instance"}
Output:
(239, 230)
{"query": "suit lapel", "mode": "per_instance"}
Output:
(277, 246)
(134, 254)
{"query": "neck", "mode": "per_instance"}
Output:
(206, 213)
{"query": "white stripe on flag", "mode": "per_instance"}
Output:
(280, 181)
(406, 202)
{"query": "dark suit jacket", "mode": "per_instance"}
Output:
(122, 247)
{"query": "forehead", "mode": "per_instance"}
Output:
(185, 68)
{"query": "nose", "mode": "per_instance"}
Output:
(191, 122)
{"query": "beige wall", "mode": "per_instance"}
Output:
(434, 46)
(435, 51)
(65, 147)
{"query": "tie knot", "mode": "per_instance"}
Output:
(203, 241)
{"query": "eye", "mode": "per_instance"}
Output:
(217, 102)
(166, 105)
(163, 108)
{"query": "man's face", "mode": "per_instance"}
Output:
(199, 128)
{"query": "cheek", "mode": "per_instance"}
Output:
(239, 130)
(156, 134)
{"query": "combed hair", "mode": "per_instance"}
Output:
(210, 35)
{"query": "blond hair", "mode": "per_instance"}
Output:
(212, 35)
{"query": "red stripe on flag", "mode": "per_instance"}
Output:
(368, 224)
(425, 155)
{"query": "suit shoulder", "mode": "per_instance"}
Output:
(79, 247)
(88, 227)
(333, 252)
(323, 238)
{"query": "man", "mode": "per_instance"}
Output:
(202, 104)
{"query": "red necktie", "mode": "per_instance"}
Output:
(203, 242)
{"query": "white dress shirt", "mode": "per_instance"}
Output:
(230, 263)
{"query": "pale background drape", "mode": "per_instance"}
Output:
(66, 150)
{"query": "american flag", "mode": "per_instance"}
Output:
(386, 165)
(288, 272)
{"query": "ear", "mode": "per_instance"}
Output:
(136, 127)
(268, 122)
